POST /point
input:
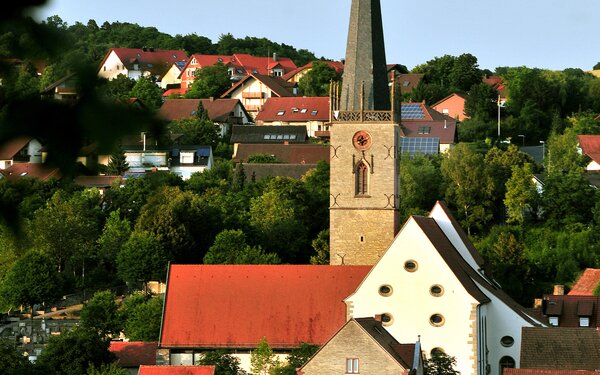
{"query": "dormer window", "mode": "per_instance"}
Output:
(194, 61)
(280, 113)
(584, 321)
(553, 321)
(186, 158)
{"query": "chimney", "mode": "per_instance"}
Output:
(559, 290)
(274, 56)
(378, 318)
(537, 303)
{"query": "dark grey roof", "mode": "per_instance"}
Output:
(402, 353)
(560, 348)
(264, 134)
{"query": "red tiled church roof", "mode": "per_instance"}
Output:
(587, 282)
(134, 353)
(295, 109)
(235, 306)
(177, 370)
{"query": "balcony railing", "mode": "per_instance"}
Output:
(253, 95)
(364, 116)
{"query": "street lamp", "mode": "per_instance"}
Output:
(500, 105)
(522, 136)
(543, 149)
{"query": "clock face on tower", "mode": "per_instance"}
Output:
(362, 140)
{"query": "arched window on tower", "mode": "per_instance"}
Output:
(362, 178)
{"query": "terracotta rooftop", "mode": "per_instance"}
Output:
(409, 81)
(558, 348)
(35, 170)
(9, 149)
(276, 84)
(177, 370)
(134, 353)
(587, 283)
(338, 66)
(219, 110)
(294, 109)
(235, 306)
(569, 309)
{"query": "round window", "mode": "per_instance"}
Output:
(436, 290)
(507, 341)
(411, 265)
(385, 290)
(387, 319)
(436, 320)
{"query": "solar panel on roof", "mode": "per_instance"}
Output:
(427, 146)
(412, 111)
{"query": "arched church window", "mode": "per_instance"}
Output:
(362, 178)
(506, 362)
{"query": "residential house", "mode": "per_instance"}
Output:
(587, 283)
(133, 354)
(461, 311)
(364, 346)
(253, 91)
(172, 78)
(63, 89)
(224, 113)
(453, 105)
(268, 135)
(408, 82)
(177, 370)
(285, 153)
(589, 145)
(425, 130)
(560, 310)
(146, 154)
(102, 183)
(20, 150)
(560, 349)
(238, 65)
(139, 62)
(233, 307)
(310, 112)
(295, 75)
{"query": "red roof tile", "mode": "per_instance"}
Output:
(134, 353)
(590, 146)
(35, 170)
(177, 370)
(277, 85)
(9, 149)
(235, 306)
(338, 66)
(294, 109)
(587, 282)
(568, 309)
(178, 109)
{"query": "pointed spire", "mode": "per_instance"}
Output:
(365, 60)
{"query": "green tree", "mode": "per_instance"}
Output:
(73, 352)
(117, 164)
(148, 92)
(568, 199)
(470, 188)
(100, 313)
(262, 359)
(118, 89)
(316, 82)
(107, 369)
(196, 131)
(522, 197)
(115, 234)
(597, 66)
(440, 364)
(142, 258)
(321, 247)
(225, 363)
(31, 280)
(11, 360)
(421, 183)
(481, 103)
(297, 357)
(465, 72)
(562, 156)
(210, 81)
(142, 319)
(230, 247)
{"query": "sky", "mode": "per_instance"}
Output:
(548, 34)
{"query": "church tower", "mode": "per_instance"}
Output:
(364, 138)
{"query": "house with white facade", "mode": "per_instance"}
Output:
(20, 150)
(139, 62)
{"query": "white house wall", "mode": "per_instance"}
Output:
(411, 303)
(593, 166)
(113, 66)
(34, 150)
(500, 320)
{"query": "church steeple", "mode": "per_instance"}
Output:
(365, 83)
